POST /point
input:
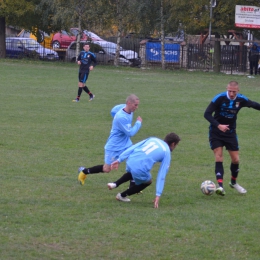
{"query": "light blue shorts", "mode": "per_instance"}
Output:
(138, 175)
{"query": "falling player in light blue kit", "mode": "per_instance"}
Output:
(120, 136)
(140, 160)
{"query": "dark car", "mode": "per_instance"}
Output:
(17, 47)
(102, 55)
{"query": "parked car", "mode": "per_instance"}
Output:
(90, 36)
(17, 47)
(102, 55)
(44, 38)
(93, 36)
(130, 55)
(62, 39)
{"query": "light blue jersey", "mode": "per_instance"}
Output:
(142, 156)
(116, 108)
(122, 130)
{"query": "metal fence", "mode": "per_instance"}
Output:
(233, 58)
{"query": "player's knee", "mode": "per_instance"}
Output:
(149, 182)
(106, 168)
(218, 158)
(235, 160)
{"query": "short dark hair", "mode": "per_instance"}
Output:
(172, 138)
(86, 43)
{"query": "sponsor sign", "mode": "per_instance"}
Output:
(171, 52)
(247, 16)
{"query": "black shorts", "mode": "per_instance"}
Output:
(228, 139)
(83, 77)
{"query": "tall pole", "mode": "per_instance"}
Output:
(208, 49)
(210, 18)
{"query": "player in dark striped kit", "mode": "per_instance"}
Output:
(87, 61)
(222, 131)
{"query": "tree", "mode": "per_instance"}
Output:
(195, 17)
(15, 12)
(155, 17)
(31, 15)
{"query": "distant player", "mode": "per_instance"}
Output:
(253, 57)
(86, 61)
(222, 131)
(140, 159)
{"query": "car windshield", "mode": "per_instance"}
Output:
(75, 32)
(30, 43)
(67, 33)
(91, 34)
(24, 33)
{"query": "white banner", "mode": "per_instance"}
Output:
(247, 16)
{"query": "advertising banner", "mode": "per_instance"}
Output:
(247, 16)
(171, 52)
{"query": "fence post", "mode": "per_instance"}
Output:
(232, 60)
(208, 57)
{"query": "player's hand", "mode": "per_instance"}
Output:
(114, 165)
(156, 202)
(91, 68)
(223, 128)
(79, 62)
(139, 119)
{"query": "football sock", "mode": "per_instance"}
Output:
(134, 189)
(234, 168)
(132, 183)
(79, 93)
(219, 171)
(85, 88)
(94, 169)
(126, 177)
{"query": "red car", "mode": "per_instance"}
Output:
(62, 39)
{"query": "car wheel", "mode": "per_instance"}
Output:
(73, 59)
(40, 37)
(131, 64)
(55, 45)
(110, 62)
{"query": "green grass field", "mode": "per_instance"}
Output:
(45, 137)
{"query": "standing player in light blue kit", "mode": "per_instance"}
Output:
(119, 138)
(140, 159)
(115, 109)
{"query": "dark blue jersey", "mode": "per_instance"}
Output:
(225, 110)
(87, 59)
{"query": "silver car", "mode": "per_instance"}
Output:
(17, 47)
(129, 55)
(102, 56)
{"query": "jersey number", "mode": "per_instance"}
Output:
(150, 147)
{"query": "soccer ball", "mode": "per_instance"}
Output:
(208, 187)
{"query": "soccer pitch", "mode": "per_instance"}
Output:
(45, 137)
